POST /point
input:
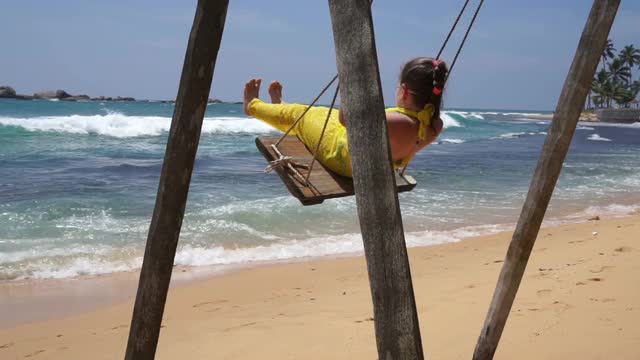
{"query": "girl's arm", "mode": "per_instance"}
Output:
(402, 134)
(343, 121)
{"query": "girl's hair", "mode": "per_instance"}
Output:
(425, 77)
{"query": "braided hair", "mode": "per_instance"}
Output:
(425, 78)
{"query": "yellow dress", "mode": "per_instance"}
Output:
(334, 150)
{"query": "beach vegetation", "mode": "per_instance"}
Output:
(614, 84)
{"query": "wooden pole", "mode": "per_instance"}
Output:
(191, 103)
(395, 315)
(554, 151)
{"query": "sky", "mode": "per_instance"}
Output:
(516, 57)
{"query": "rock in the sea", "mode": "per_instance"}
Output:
(109, 98)
(77, 98)
(52, 94)
(24, 97)
(7, 92)
(218, 101)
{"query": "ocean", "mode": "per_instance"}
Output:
(78, 183)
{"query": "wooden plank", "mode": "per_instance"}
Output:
(395, 316)
(554, 151)
(191, 103)
(324, 183)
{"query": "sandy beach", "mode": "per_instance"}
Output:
(579, 300)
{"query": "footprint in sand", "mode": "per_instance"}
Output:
(119, 327)
(210, 303)
(34, 353)
(596, 279)
(559, 306)
(543, 292)
(7, 345)
(239, 326)
(367, 319)
(623, 249)
(601, 269)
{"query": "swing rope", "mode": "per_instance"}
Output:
(466, 34)
(326, 121)
(307, 109)
(444, 44)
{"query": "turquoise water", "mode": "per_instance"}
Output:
(78, 183)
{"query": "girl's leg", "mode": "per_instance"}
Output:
(280, 116)
(333, 150)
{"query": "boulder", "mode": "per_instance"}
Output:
(101, 98)
(52, 94)
(7, 92)
(24, 97)
(77, 98)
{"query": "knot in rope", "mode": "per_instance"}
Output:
(282, 161)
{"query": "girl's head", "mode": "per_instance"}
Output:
(422, 82)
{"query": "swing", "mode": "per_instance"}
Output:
(325, 185)
(294, 162)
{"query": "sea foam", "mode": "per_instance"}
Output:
(449, 121)
(67, 262)
(596, 137)
(451, 141)
(124, 126)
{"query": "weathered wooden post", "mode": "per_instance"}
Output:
(554, 151)
(191, 103)
(395, 315)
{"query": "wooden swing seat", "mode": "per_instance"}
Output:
(323, 183)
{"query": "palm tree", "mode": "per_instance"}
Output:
(600, 87)
(608, 53)
(629, 56)
(619, 72)
(624, 96)
(598, 100)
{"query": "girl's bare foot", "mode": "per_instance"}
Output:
(275, 91)
(251, 91)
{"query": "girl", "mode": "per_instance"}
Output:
(413, 124)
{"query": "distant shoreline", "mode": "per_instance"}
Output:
(7, 92)
(585, 116)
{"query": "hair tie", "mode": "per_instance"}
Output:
(435, 63)
(437, 91)
(424, 117)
